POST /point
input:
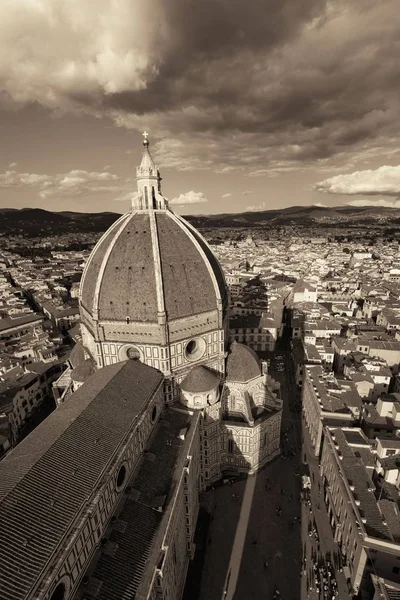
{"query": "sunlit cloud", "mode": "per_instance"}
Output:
(189, 198)
(383, 181)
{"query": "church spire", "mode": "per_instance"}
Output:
(148, 182)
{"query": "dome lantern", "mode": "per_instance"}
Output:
(148, 197)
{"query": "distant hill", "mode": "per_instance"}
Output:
(302, 215)
(35, 222)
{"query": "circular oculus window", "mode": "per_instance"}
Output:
(195, 349)
(121, 477)
(133, 353)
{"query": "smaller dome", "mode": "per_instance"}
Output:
(200, 380)
(83, 371)
(242, 363)
(77, 356)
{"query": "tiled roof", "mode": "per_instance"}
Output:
(390, 462)
(358, 477)
(120, 573)
(10, 322)
(242, 363)
(245, 322)
(44, 481)
(336, 396)
(390, 511)
(200, 379)
(389, 443)
(124, 260)
(354, 437)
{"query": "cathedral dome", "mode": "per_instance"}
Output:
(242, 363)
(152, 279)
(145, 265)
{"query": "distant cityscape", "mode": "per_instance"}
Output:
(321, 308)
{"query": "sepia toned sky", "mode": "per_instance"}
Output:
(248, 105)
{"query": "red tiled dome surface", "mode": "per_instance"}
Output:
(121, 271)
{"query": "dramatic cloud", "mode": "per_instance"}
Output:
(383, 181)
(189, 198)
(270, 87)
(227, 195)
(75, 183)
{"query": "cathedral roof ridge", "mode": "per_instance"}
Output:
(73, 447)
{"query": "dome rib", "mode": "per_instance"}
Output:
(216, 269)
(190, 284)
(93, 266)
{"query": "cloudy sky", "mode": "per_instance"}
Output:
(256, 104)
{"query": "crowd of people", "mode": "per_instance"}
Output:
(321, 576)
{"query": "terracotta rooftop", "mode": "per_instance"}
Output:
(357, 476)
(10, 322)
(44, 482)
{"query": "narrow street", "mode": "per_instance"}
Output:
(254, 547)
(259, 532)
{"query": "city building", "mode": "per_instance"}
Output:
(328, 400)
(365, 522)
(382, 419)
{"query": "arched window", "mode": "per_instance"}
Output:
(59, 592)
(230, 446)
(146, 197)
